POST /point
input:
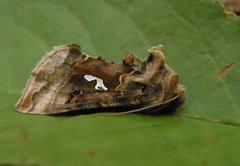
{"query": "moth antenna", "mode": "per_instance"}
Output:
(144, 108)
(138, 58)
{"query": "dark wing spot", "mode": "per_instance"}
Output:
(150, 58)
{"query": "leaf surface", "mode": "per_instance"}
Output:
(200, 42)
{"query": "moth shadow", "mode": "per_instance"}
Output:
(108, 110)
(168, 110)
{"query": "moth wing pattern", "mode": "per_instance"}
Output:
(47, 79)
(58, 83)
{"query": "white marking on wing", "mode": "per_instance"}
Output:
(100, 85)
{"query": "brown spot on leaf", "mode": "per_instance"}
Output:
(91, 153)
(221, 73)
(23, 136)
(208, 138)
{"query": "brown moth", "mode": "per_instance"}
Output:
(68, 80)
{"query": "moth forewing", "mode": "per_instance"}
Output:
(47, 78)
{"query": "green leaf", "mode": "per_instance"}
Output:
(200, 41)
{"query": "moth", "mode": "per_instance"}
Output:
(68, 80)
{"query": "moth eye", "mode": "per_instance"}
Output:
(77, 92)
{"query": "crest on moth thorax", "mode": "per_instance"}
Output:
(68, 80)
